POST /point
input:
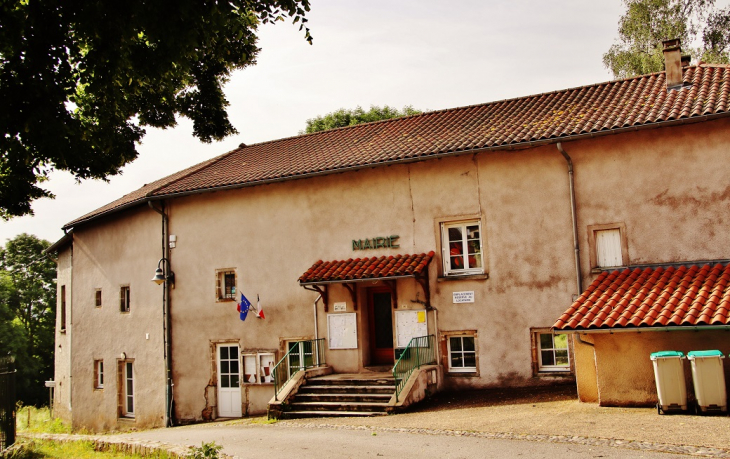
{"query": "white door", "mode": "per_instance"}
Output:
(229, 381)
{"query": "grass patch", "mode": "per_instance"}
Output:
(29, 419)
(43, 449)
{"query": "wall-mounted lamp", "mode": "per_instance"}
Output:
(160, 275)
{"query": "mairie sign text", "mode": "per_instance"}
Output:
(389, 242)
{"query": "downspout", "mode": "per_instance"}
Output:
(70, 334)
(316, 328)
(166, 317)
(316, 332)
(576, 246)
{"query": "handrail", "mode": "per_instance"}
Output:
(419, 351)
(282, 372)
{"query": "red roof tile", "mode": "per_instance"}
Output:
(367, 268)
(588, 110)
(653, 297)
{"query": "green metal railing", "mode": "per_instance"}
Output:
(301, 356)
(420, 351)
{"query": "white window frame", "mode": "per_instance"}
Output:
(551, 368)
(446, 248)
(449, 352)
(98, 374)
(254, 367)
(221, 292)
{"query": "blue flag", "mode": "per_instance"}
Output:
(243, 307)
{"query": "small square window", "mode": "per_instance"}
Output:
(608, 246)
(97, 298)
(98, 374)
(552, 352)
(226, 285)
(462, 248)
(462, 354)
(124, 299)
(258, 367)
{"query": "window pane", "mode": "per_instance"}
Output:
(224, 367)
(455, 343)
(224, 352)
(470, 360)
(130, 405)
(561, 341)
(130, 387)
(472, 232)
(561, 357)
(234, 366)
(455, 235)
(457, 262)
(468, 343)
(546, 341)
(456, 361)
(225, 381)
(234, 381)
(547, 358)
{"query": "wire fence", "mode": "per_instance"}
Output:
(7, 402)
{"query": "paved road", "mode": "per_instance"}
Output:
(282, 440)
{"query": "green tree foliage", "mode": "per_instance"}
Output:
(646, 23)
(27, 314)
(79, 80)
(343, 117)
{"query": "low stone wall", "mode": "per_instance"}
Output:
(103, 443)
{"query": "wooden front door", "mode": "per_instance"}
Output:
(380, 316)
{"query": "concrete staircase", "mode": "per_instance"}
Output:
(366, 394)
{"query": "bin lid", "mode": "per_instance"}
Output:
(666, 355)
(703, 354)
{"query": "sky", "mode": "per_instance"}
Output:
(428, 54)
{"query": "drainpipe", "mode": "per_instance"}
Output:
(316, 333)
(576, 247)
(316, 329)
(166, 317)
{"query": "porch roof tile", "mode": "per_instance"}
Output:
(367, 268)
(675, 296)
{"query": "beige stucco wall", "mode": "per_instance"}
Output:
(625, 372)
(62, 349)
(122, 250)
(663, 185)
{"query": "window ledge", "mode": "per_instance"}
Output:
(466, 374)
(555, 374)
(225, 300)
(483, 276)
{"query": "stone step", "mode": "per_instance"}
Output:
(318, 389)
(338, 406)
(319, 414)
(324, 381)
(342, 398)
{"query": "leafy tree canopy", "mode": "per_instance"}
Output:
(646, 23)
(27, 313)
(79, 80)
(343, 117)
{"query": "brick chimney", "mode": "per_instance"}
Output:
(673, 63)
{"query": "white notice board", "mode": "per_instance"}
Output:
(342, 331)
(409, 324)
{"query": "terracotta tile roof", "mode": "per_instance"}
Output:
(588, 110)
(367, 268)
(653, 297)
